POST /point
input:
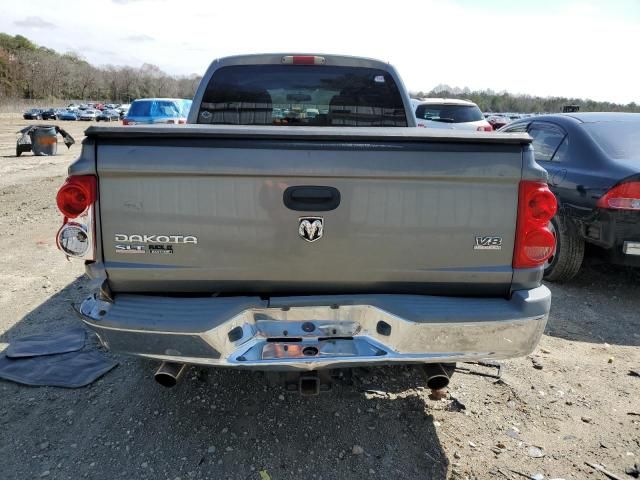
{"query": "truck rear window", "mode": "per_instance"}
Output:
(449, 113)
(302, 95)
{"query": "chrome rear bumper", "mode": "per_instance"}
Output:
(311, 333)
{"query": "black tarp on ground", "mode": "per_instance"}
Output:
(67, 340)
(69, 370)
(56, 360)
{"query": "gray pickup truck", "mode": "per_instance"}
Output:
(300, 224)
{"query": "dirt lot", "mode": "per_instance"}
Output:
(582, 406)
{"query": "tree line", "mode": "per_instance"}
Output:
(490, 101)
(29, 71)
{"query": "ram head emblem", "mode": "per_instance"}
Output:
(310, 228)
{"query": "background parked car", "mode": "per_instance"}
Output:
(449, 113)
(68, 115)
(498, 121)
(88, 115)
(593, 161)
(157, 110)
(124, 109)
(33, 114)
(108, 115)
(51, 114)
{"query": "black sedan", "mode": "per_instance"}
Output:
(50, 114)
(33, 114)
(593, 161)
(108, 115)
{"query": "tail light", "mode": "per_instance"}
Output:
(76, 200)
(76, 195)
(624, 196)
(485, 128)
(182, 121)
(534, 241)
(125, 121)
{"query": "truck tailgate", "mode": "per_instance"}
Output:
(196, 209)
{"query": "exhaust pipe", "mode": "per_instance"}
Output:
(437, 376)
(169, 373)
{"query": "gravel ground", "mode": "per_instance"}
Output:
(573, 401)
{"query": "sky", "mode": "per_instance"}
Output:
(572, 48)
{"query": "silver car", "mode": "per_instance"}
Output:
(88, 115)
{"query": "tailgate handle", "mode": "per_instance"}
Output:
(311, 198)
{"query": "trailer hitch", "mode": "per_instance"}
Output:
(308, 384)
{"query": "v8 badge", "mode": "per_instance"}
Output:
(489, 242)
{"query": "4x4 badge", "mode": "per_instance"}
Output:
(311, 228)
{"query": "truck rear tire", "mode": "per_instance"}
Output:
(567, 259)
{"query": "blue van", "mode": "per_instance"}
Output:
(157, 110)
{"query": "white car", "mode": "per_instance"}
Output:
(449, 113)
(88, 115)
